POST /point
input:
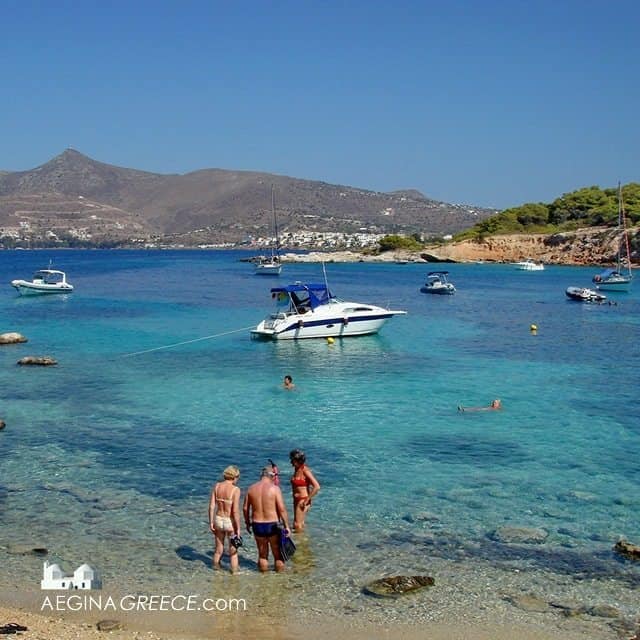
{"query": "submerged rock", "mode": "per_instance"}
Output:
(420, 516)
(604, 611)
(519, 535)
(43, 361)
(397, 585)
(27, 550)
(627, 550)
(11, 338)
(528, 602)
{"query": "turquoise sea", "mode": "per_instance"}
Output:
(109, 457)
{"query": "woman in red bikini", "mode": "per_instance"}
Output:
(304, 486)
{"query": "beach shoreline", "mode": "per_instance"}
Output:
(174, 626)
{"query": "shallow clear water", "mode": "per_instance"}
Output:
(109, 457)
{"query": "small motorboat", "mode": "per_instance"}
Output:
(312, 311)
(529, 265)
(44, 281)
(438, 282)
(583, 294)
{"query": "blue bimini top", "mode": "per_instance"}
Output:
(313, 294)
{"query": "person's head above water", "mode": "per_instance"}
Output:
(288, 381)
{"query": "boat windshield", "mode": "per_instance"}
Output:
(302, 296)
(48, 277)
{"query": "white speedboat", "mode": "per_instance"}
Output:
(529, 265)
(44, 281)
(583, 294)
(312, 311)
(437, 282)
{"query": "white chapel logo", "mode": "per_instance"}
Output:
(84, 577)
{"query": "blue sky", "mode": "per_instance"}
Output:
(490, 102)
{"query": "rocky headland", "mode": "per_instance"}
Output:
(594, 245)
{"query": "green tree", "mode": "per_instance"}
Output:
(396, 241)
(582, 205)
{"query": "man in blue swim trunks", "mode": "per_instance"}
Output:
(263, 509)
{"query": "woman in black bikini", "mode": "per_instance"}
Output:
(304, 487)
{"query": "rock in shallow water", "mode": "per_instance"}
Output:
(18, 549)
(519, 535)
(529, 603)
(394, 586)
(11, 338)
(43, 361)
(627, 550)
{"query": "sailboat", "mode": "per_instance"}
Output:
(271, 266)
(619, 278)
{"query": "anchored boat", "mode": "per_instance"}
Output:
(44, 281)
(437, 282)
(619, 278)
(583, 294)
(528, 265)
(271, 266)
(312, 311)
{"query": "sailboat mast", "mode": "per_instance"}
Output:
(623, 224)
(275, 219)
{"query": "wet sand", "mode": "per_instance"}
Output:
(300, 624)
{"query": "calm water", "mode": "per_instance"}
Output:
(109, 459)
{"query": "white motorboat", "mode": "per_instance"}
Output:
(583, 294)
(437, 282)
(44, 281)
(312, 311)
(529, 265)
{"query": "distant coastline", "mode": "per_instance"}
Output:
(589, 246)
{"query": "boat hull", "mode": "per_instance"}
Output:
(298, 328)
(620, 283)
(582, 294)
(25, 288)
(440, 291)
(529, 266)
(268, 270)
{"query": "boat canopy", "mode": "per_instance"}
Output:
(607, 273)
(49, 276)
(313, 294)
(438, 273)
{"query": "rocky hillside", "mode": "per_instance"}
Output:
(77, 195)
(594, 245)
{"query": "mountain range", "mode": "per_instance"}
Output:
(73, 196)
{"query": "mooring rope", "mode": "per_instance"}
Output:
(178, 344)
